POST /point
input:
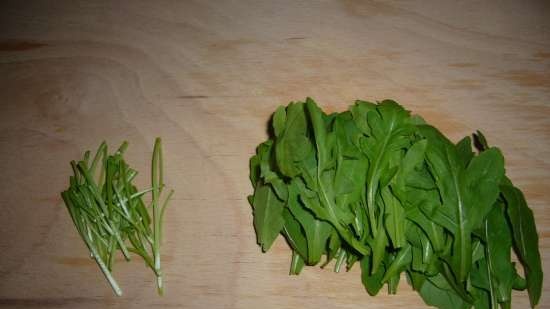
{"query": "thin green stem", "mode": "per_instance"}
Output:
(157, 182)
(105, 270)
(109, 214)
(163, 209)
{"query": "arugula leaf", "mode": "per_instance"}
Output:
(399, 263)
(498, 246)
(371, 281)
(268, 215)
(394, 218)
(316, 231)
(328, 210)
(292, 144)
(525, 238)
(435, 291)
(388, 133)
(467, 191)
(292, 231)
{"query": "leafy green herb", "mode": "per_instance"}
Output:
(379, 186)
(109, 213)
(525, 238)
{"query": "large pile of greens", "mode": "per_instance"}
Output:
(378, 186)
(109, 213)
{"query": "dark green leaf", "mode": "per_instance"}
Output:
(394, 219)
(316, 231)
(467, 192)
(498, 247)
(435, 291)
(525, 238)
(294, 234)
(401, 261)
(389, 133)
(372, 282)
(268, 216)
(293, 145)
(279, 121)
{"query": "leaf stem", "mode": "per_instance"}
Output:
(157, 183)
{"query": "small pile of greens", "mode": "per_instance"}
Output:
(109, 213)
(378, 186)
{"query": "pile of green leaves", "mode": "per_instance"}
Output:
(109, 213)
(378, 186)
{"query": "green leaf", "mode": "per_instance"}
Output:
(394, 219)
(359, 112)
(316, 231)
(292, 145)
(268, 216)
(279, 121)
(327, 209)
(407, 169)
(322, 145)
(372, 282)
(467, 192)
(401, 261)
(435, 291)
(484, 174)
(390, 132)
(378, 245)
(525, 238)
(498, 247)
(417, 263)
(263, 155)
(416, 279)
(481, 298)
(351, 165)
(267, 173)
(464, 149)
(294, 234)
(458, 287)
(434, 231)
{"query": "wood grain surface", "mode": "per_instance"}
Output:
(206, 76)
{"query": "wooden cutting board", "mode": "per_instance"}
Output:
(206, 75)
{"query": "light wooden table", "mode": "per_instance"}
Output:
(206, 75)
